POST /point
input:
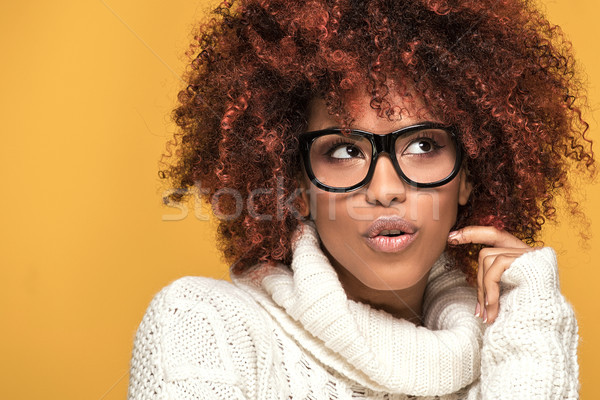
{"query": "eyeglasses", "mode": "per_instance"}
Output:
(424, 155)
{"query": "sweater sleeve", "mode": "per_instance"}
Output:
(178, 352)
(530, 351)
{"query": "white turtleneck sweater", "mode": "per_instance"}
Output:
(281, 332)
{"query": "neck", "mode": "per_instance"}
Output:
(405, 303)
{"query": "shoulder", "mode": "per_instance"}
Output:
(194, 291)
(193, 301)
(531, 348)
(536, 269)
(204, 327)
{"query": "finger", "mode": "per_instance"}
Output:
(486, 258)
(491, 251)
(491, 282)
(485, 235)
(480, 294)
(485, 262)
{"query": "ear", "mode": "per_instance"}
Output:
(465, 187)
(304, 198)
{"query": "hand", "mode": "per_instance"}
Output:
(493, 261)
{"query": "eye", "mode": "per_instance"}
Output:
(345, 151)
(422, 146)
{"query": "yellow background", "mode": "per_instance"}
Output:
(86, 89)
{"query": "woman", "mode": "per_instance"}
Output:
(380, 172)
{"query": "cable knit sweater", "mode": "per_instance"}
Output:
(281, 332)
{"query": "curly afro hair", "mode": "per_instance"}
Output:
(496, 69)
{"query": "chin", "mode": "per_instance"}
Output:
(393, 279)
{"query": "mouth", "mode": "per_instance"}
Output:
(390, 234)
(391, 225)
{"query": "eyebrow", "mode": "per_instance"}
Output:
(367, 130)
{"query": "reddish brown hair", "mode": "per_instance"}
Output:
(494, 68)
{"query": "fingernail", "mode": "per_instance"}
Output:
(452, 234)
(486, 301)
(484, 315)
(477, 310)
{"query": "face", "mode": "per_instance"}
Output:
(345, 221)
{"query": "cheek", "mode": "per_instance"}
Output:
(338, 228)
(340, 219)
(330, 213)
(435, 207)
(436, 214)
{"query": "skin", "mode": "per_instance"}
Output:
(395, 282)
(493, 261)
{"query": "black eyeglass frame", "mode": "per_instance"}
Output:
(379, 144)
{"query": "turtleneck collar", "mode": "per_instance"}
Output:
(370, 346)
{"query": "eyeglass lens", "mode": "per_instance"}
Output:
(425, 156)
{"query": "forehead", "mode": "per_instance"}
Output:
(397, 111)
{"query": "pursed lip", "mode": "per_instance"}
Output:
(390, 222)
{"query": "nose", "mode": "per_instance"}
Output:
(386, 186)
